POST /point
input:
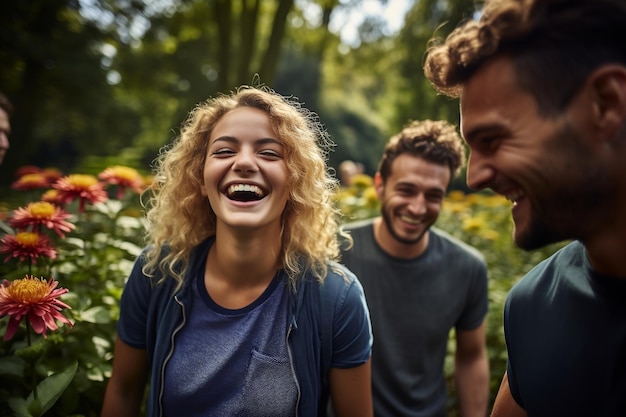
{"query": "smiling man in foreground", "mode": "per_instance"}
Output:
(542, 88)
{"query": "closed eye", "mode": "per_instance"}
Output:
(223, 152)
(271, 154)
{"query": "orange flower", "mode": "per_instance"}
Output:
(41, 213)
(34, 299)
(123, 177)
(31, 181)
(86, 188)
(27, 245)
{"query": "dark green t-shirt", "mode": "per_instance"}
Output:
(413, 305)
(565, 329)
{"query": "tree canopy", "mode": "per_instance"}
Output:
(96, 82)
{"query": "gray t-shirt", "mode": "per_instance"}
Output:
(413, 306)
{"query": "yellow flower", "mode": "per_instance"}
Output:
(473, 224)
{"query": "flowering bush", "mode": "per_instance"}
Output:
(82, 232)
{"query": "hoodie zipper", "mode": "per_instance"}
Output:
(292, 326)
(169, 355)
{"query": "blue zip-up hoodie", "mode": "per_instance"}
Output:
(330, 327)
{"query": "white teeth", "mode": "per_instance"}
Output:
(410, 220)
(245, 187)
(513, 197)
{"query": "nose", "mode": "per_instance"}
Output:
(245, 161)
(4, 140)
(479, 172)
(417, 205)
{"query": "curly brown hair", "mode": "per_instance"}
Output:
(554, 46)
(435, 141)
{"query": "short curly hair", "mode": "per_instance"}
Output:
(554, 46)
(180, 217)
(434, 141)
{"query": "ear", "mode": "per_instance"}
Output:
(609, 104)
(379, 186)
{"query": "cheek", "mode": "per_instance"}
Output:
(434, 208)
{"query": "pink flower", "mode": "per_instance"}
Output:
(27, 245)
(44, 214)
(31, 181)
(124, 177)
(27, 169)
(86, 188)
(34, 299)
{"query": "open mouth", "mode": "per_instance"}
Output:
(245, 192)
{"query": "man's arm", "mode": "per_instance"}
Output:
(471, 371)
(505, 405)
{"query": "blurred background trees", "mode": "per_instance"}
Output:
(102, 81)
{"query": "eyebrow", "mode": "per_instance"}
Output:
(480, 130)
(260, 141)
(412, 185)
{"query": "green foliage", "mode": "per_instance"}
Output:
(71, 366)
(44, 395)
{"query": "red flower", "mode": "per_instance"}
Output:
(124, 177)
(41, 213)
(27, 169)
(27, 245)
(86, 188)
(31, 181)
(34, 299)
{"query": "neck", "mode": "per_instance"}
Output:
(606, 243)
(239, 268)
(245, 257)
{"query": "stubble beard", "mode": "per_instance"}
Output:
(389, 225)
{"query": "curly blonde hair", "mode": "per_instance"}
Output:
(180, 217)
(554, 46)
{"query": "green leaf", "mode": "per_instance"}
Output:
(12, 365)
(97, 314)
(34, 407)
(50, 389)
(18, 405)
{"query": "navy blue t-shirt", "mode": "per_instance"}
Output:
(224, 360)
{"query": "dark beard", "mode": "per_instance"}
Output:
(539, 235)
(577, 204)
(392, 232)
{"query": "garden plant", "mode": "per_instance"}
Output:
(68, 242)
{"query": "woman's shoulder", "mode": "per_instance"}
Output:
(339, 281)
